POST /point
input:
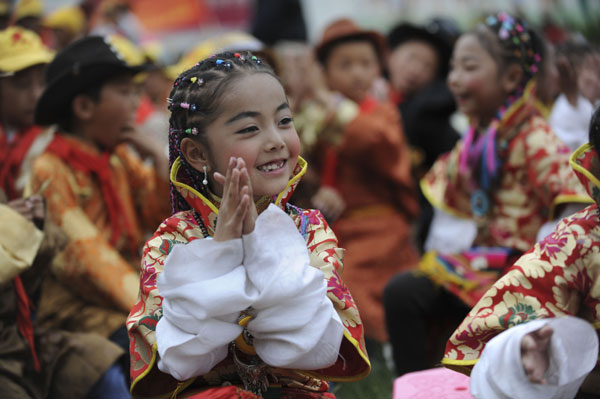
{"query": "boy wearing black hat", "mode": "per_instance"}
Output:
(418, 65)
(104, 198)
(36, 362)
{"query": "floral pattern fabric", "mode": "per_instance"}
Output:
(535, 179)
(558, 276)
(183, 228)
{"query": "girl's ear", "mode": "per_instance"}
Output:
(511, 78)
(83, 107)
(194, 153)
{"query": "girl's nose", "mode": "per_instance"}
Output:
(274, 141)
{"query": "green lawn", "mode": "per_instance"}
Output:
(377, 385)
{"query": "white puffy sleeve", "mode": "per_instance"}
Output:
(206, 284)
(296, 324)
(204, 288)
(573, 354)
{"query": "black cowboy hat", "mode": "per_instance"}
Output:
(431, 33)
(79, 66)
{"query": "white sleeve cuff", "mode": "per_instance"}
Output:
(573, 354)
(204, 288)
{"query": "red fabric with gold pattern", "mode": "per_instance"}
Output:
(182, 227)
(534, 179)
(558, 276)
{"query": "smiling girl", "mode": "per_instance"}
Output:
(506, 176)
(240, 293)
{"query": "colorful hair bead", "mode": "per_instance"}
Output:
(237, 55)
(193, 79)
(193, 131)
(184, 105)
(219, 61)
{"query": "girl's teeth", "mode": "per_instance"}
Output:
(271, 166)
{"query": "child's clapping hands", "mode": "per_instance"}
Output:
(237, 212)
(534, 354)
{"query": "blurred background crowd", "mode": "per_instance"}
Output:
(168, 37)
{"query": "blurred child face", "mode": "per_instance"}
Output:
(352, 68)
(475, 81)
(412, 66)
(114, 113)
(18, 95)
(256, 125)
(588, 80)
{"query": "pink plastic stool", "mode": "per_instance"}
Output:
(439, 383)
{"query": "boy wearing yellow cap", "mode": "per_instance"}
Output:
(34, 362)
(22, 61)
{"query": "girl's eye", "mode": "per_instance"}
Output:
(286, 121)
(250, 129)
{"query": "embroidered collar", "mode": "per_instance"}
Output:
(586, 164)
(208, 208)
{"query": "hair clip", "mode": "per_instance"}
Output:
(193, 131)
(188, 106)
(225, 63)
(199, 82)
(184, 105)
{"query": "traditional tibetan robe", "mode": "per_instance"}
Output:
(106, 203)
(223, 371)
(367, 159)
(534, 178)
(557, 277)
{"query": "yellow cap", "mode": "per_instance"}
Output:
(153, 50)
(70, 18)
(230, 41)
(21, 48)
(28, 8)
(4, 7)
(130, 53)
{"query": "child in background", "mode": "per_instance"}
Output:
(507, 175)
(571, 111)
(557, 277)
(418, 65)
(101, 194)
(36, 363)
(240, 293)
(23, 58)
(367, 165)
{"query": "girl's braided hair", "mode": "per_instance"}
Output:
(509, 40)
(195, 102)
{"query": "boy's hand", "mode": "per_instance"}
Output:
(234, 204)
(147, 147)
(534, 354)
(330, 202)
(31, 208)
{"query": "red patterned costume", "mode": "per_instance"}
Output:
(183, 227)
(558, 276)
